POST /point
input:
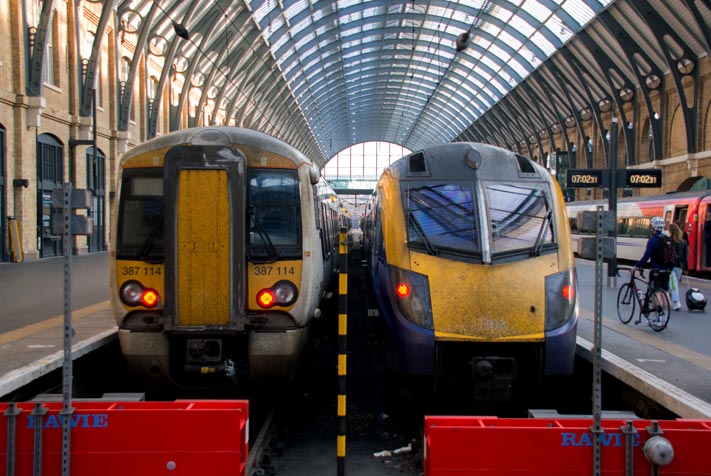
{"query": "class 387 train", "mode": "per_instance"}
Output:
(224, 242)
(471, 259)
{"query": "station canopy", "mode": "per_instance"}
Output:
(324, 75)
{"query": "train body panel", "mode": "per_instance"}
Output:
(508, 293)
(472, 265)
(234, 232)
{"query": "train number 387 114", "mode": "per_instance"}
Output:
(141, 271)
(274, 270)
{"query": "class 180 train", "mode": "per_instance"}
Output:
(224, 242)
(691, 210)
(471, 259)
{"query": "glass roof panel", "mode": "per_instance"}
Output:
(391, 61)
(581, 11)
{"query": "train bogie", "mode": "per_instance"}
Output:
(222, 251)
(472, 265)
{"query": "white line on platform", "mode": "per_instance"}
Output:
(11, 381)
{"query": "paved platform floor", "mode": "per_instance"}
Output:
(674, 365)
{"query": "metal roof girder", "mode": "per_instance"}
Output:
(505, 107)
(514, 102)
(249, 68)
(575, 112)
(494, 118)
(538, 80)
(606, 64)
(125, 93)
(700, 22)
(532, 101)
(661, 28)
(631, 48)
(35, 71)
(88, 79)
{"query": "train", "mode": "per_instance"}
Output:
(224, 243)
(691, 210)
(469, 251)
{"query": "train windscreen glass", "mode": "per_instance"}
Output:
(140, 225)
(273, 214)
(521, 217)
(441, 216)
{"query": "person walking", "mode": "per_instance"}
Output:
(680, 264)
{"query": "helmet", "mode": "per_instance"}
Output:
(657, 223)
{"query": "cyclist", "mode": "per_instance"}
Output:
(659, 273)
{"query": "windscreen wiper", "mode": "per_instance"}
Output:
(536, 251)
(426, 241)
(272, 250)
(155, 231)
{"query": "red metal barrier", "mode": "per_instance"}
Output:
(505, 447)
(133, 438)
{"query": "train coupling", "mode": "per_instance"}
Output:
(205, 357)
(493, 377)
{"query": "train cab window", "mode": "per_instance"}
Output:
(440, 217)
(521, 218)
(274, 219)
(140, 225)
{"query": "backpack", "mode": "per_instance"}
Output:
(666, 252)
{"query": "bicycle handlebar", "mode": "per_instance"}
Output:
(631, 269)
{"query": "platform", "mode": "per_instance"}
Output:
(674, 366)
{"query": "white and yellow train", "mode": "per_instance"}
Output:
(224, 242)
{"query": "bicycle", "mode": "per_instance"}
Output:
(631, 295)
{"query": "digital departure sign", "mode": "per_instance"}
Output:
(640, 178)
(586, 178)
(643, 178)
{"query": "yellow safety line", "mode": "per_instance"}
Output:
(51, 322)
(695, 358)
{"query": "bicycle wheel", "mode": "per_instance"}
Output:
(659, 317)
(626, 303)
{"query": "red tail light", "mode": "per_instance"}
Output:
(283, 293)
(265, 298)
(402, 290)
(149, 298)
(568, 292)
(133, 294)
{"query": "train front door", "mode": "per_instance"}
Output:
(205, 240)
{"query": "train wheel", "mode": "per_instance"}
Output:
(659, 318)
(626, 303)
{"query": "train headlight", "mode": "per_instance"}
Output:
(412, 292)
(134, 294)
(283, 293)
(561, 296)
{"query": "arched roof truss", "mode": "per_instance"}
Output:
(327, 74)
